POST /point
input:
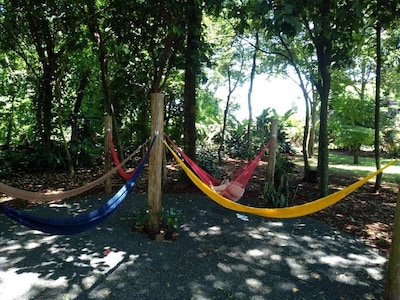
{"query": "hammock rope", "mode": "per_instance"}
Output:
(80, 223)
(235, 188)
(37, 197)
(286, 212)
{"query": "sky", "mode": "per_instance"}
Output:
(279, 93)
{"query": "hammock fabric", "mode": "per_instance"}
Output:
(37, 197)
(286, 212)
(124, 175)
(81, 223)
(235, 188)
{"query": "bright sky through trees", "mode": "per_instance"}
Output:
(279, 93)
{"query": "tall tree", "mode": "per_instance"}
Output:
(192, 69)
(41, 34)
(384, 12)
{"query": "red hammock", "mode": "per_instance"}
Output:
(121, 172)
(240, 179)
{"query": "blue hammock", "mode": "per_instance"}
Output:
(81, 223)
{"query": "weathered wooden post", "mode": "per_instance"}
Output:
(272, 152)
(156, 158)
(392, 285)
(107, 153)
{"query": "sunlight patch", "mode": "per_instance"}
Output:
(225, 268)
(275, 224)
(214, 230)
(276, 257)
(334, 261)
(255, 253)
(19, 285)
(375, 273)
(254, 284)
(346, 278)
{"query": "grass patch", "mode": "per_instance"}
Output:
(341, 163)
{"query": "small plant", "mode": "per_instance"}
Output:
(142, 217)
(171, 220)
(168, 220)
(276, 193)
(174, 219)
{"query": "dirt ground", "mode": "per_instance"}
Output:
(367, 215)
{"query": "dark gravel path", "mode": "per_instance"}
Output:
(217, 256)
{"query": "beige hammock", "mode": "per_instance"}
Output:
(37, 197)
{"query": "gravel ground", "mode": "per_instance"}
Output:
(217, 256)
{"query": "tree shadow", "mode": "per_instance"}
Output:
(217, 256)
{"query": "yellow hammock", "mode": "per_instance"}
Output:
(286, 212)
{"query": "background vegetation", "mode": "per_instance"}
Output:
(65, 64)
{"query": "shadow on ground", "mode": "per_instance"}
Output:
(217, 256)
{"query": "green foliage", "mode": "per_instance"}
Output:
(276, 194)
(142, 217)
(351, 120)
(276, 198)
(48, 161)
(172, 218)
(353, 136)
(207, 159)
(55, 36)
(284, 127)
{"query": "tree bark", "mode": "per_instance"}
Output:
(192, 67)
(107, 153)
(44, 45)
(313, 122)
(392, 285)
(94, 29)
(378, 179)
(323, 46)
(249, 93)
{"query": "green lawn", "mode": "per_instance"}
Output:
(343, 164)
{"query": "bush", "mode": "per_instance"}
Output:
(276, 194)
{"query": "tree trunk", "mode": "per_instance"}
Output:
(231, 89)
(323, 154)
(77, 106)
(252, 75)
(107, 153)
(192, 67)
(323, 47)
(228, 100)
(378, 179)
(311, 141)
(356, 155)
(47, 97)
(10, 125)
(94, 29)
(44, 45)
(58, 95)
(306, 132)
(392, 285)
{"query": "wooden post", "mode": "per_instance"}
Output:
(156, 158)
(272, 152)
(392, 285)
(107, 153)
